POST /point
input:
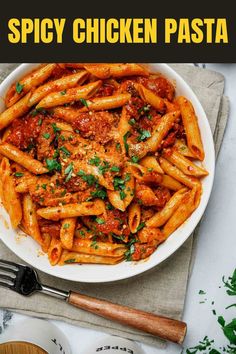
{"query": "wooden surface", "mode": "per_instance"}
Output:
(20, 348)
(163, 327)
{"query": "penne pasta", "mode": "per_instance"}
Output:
(151, 98)
(30, 220)
(54, 251)
(189, 203)
(182, 148)
(159, 132)
(170, 183)
(161, 217)
(184, 164)
(191, 127)
(104, 71)
(17, 110)
(134, 216)
(72, 210)
(151, 163)
(30, 81)
(62, 85)
(22, 158)
(10, 197)
(177, 174)
(67, 232)
(98, 248)
(74, 94)
(68, 114)
(123, 127)
(107, 102)
(68, 257)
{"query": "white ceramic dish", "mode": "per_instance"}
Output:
(27, 249)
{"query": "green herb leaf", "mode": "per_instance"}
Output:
(144, 134)
(71, 260)
(55, 128)
(125, 137)
(99, 193)
(104, 168)
(68, 171)
(63, 92)
(132, 121)
(40, 121)
(100, 221)
(90, 179)
(118, 147)
(134, 159)
(122, 195)
(94, 245)
(66, 226)
(65, 151)
(95, 161)
(84, 102)
(53, 165)
(141, 226)
(46, 135)
(18, 174)
(115, 169)
(44, 186)
(19, 87)
(201, 292)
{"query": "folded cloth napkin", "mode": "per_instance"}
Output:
(161, 290)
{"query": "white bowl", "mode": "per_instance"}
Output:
(28, 250)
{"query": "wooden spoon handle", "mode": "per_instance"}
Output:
(162, 327)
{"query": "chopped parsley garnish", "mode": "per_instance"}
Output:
(134, 159)
(122, 195)
(141, 226)
(125, 137)
(118, 147)
(115, 169)
(90, 179)
(99, 193)
(19, 87)
(18, 174)
(44, 186)
(53, 165)
(63, 193)
(144, 109)
(109, 207)
(46, 135)
(77, 131)
(201, 292)
(95, 161)
(144, 134)
(230, 284)
(132, 121)
(94, 245)
(68, 171)
(100, 221)
(229, 329)
(149, 116)
(71, 260)
(130, 251)
(104, 168)
(118, 183)
(82, 233)
(55, 128)
(63, 92)
(65, 151)
(56, 153)
(66, 226)
(84, 102)
(40, 121)
(120, 238)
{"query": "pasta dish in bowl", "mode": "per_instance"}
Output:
(102, 165)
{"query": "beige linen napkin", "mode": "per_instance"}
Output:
(161, 290)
